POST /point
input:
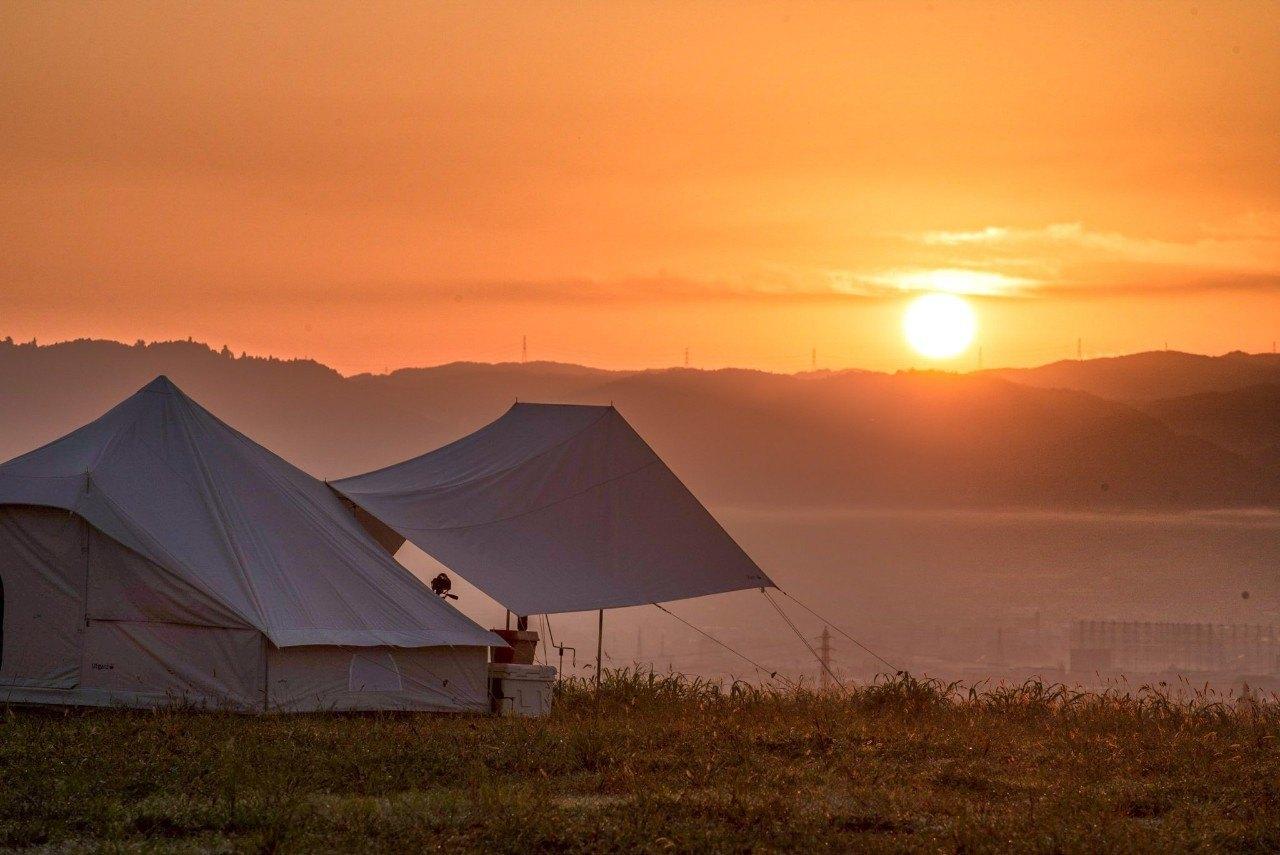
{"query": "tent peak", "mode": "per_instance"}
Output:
(543, 405)
(163, 385)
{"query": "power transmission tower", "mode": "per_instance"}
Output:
(524, 348)
(1079, 348)
(813, 359)
(686, 357)
(824, 652)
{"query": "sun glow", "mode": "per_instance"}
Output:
(957, 281)
(939, 326)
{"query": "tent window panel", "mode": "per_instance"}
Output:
(374, 671)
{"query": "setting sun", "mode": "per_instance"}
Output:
(939, 326)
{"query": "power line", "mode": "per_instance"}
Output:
(773, 675)
(839, 630)
(824, 663)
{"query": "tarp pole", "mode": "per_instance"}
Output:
(599, 647)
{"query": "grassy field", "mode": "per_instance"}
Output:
(657, 764)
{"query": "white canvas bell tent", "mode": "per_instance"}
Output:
(556, 508)
(157, 555)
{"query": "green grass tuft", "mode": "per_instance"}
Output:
(660, 762)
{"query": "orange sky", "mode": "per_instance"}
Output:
(411, 184)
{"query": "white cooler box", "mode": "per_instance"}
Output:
(523, 690)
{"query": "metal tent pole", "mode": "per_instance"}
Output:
(599, 647)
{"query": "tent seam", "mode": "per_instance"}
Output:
(220, 515)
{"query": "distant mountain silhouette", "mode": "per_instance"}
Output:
(736, 436)
(1246, 421)
(299, 408)
(921, 439)
(1152, 375)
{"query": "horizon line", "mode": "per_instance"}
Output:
(226, 352)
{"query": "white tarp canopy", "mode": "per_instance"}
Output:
(266, 543)
(558, 508)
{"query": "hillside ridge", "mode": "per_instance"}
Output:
(1039, 438)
